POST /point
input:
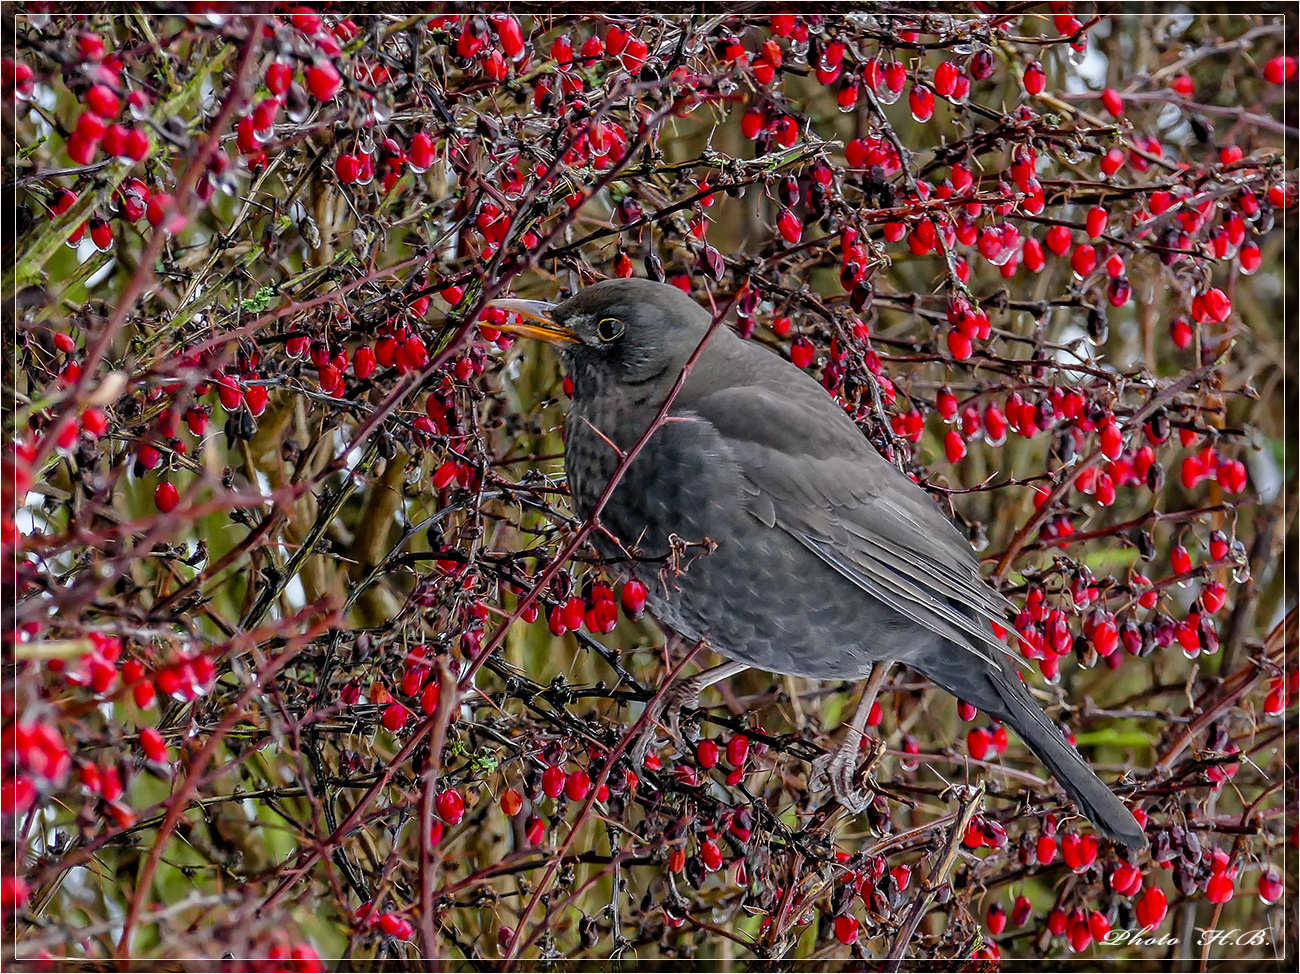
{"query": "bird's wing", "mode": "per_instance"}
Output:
(809, 471)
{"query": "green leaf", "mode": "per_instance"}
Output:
(484, 763)
(27, 151)
(260, 301)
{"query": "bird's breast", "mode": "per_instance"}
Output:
(668, 489)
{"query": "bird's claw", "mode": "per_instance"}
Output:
(839, 768)
(667, 711)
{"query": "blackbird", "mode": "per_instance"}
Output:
(761, 519)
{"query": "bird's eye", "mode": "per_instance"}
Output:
(610, 328)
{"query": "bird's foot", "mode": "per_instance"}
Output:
(839, 768)
(667, 710)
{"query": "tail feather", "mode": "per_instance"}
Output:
(1001, 695)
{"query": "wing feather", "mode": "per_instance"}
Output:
(812, 473)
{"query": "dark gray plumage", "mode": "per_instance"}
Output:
(826, 558)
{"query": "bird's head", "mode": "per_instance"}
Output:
(623, 331)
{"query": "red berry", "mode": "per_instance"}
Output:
(1217, 305)
(278, 77)
(945, 78)
(954, 445)
(921, 101)
(711, 855)
(575, 614)
(1112, 440)
(510, 34)
(801, 352)
(1059, 239)
(1056, 922)
(633, 598)
(511, 802)
(323, 80)
(553, 780)
(996, 918)
(535, 829)
(737, 750)
(166, 496)
(1270, 884)
(1250, 258)
(1152, 907)
(1033, 256)
(706, 753)
(1212, 598)
(1035, 78)
(363, 362)
(1112, 161)
(144, 694)
(347, 167)
(1280, 69)
(1126, 879)
(1084, 259)
(90, 128)
(62, 201)
(946, 403)
(495, 66)
(578, 785)
(101, 100)
(790, 226)
(423, 152)
(1020, 912)
(846, 928)
(101, 234)
(255, 397)
(1096, 222)
(153, 745)
(1113, 102)
(394, 717)
(1221, 887)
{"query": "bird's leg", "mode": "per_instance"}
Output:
(840, 766)
(683, 693)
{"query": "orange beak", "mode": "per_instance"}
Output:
(546, 329)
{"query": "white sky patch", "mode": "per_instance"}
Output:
(1264, 474)
(47, 98)
(208, 94)
(295, 593)
(25, 518)
(1089, 73)
(101, 274)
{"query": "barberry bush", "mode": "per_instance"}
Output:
(305, 656)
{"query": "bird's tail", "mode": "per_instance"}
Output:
(1000, 694)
